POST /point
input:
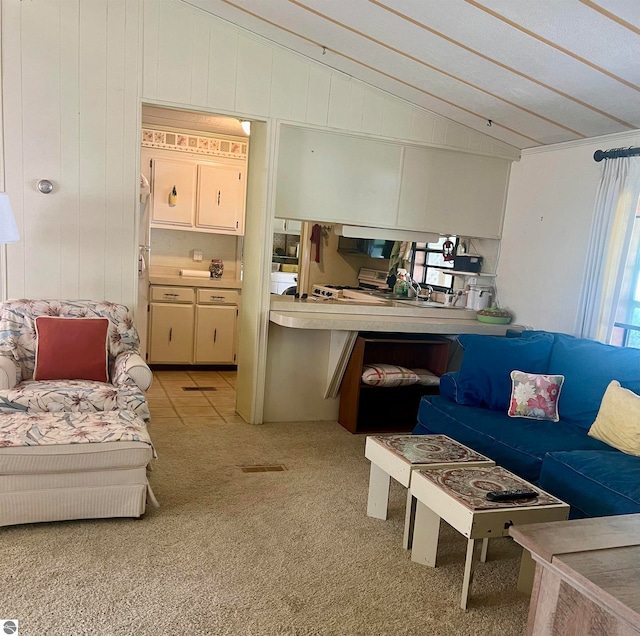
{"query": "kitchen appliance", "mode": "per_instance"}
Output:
(374, 248)
(467, 263)
(479, 297)
(281, 282)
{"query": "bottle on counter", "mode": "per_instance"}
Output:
(401, 287)
(216, 268)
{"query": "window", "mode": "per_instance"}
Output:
(626, 331)
(428, 265)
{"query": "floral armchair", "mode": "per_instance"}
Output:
(128, 374)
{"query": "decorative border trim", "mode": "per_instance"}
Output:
(194, 144)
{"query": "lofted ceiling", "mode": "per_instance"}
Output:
(539, 71)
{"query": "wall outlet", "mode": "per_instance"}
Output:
(196, 255)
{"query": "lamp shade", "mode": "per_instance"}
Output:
(8, 229)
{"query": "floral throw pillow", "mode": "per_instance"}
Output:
(535, 396)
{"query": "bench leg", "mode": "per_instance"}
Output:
(468, 573)
(485, 548)
(527, 571)
(409, 520)
(378, 492)
(426, 530)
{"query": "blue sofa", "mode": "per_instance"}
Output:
(594, 478)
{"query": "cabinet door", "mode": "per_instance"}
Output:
(167, 174)
(221, 198)
(171, 333)
(293, 227)
(414, 189)
(467, 194)
(215, 334)
(337, 178)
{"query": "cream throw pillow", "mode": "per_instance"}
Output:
(618, 420)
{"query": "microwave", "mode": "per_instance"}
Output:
(374, 248)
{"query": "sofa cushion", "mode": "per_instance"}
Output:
(618, 420)
(484, 377)
(588, 367)
(594, 483)
(517, 444)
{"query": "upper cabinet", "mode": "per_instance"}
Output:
(358, 181)
(221, 197)
(453, 192)
(337, 178)
(174, 191)
(198, 183)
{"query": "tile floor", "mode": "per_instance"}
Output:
(169, 401)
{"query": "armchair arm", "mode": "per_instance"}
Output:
(129, 368)
(8, 373)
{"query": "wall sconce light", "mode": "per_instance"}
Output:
(246, 126)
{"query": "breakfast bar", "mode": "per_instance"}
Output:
(310, 343)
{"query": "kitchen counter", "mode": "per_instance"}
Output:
(389, 316)
(186, 281)
(332, 327)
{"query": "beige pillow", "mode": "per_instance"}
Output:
(618, 420)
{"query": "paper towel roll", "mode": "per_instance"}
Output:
(195, 273)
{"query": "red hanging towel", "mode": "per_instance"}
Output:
(316, 238)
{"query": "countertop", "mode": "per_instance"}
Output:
(392, 316)
(186, 281)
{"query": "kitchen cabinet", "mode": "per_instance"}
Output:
(215, 335)
(337, 178)
(169, 174)
(452, 193)
(210, 195)
(170, 333)
(287, 226)
(192, 325)
(221, 197)
(368, 409)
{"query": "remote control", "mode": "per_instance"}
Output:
(509, 495)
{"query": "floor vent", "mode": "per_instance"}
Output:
(198, 388)
(273, 468)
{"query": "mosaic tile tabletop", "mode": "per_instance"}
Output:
(470, 486)
(429, 449)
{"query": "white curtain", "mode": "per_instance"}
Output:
(614, 213)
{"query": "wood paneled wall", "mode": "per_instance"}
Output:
(194, 59)
(72, 83)
(71, 74)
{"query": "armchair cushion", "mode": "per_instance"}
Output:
(71, 349)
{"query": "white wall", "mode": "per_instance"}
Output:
(546, 230)
(71, 97)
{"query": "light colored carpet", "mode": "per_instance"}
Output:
(263, 554)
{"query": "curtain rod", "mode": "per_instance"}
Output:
(614, 153)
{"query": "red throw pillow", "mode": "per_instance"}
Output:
(71, 349)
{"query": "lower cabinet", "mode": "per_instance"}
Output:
(215, 334)
(192, 326)
(170, 333)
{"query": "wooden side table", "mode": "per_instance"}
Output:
(587, 578)
(398, 456)
(457, 495)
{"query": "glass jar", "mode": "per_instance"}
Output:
(216, 268)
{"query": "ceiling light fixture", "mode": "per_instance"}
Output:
(246, 126)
